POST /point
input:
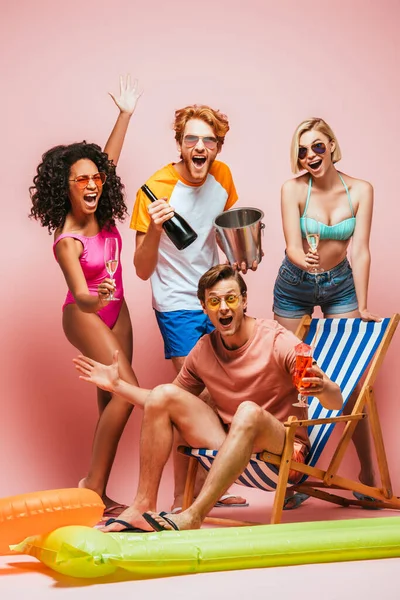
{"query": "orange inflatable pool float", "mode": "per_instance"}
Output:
(37, 513)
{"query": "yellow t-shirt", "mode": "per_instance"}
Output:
(174, 281)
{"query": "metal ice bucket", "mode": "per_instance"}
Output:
(238, 233)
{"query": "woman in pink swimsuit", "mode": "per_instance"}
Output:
(78, 195)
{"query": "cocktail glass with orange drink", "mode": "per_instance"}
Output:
(304, 359)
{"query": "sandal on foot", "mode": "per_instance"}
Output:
(219, 504)
(297, 501)
(128, 527)
(158, 526)
(222, 504)
(114, 511)
(365, 498)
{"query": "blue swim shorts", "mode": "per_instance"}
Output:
(181, 330)
(297, 292)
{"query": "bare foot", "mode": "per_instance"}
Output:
(112, 508)
(131, 515)
(367, 477)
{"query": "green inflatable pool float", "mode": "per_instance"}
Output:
(84, 552)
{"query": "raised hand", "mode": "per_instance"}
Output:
(128, 95)
(105, 377)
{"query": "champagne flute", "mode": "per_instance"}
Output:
(111, 258)
(304, 356)
(312, 226)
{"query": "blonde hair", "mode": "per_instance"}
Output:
(319, 125)
(216, 119)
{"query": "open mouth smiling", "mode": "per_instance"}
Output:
(90, 199)
(315, 165)
(199, 161)
(225, 321)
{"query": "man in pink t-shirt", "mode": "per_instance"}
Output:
(247, 366)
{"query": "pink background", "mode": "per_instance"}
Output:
(268, 65)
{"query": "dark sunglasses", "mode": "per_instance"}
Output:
(82, 181)
(318, 148)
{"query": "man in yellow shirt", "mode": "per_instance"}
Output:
(199, 187)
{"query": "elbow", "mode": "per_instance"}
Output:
(333, 399)
(336, 402)
(142, 272)
(360, 254)
(142, 275)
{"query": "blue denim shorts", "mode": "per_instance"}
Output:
(297, 292)
(181, 330)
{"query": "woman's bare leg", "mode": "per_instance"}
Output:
(290, 324)
(88, 333)
(361, 436)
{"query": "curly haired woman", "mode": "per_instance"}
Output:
(78, 195)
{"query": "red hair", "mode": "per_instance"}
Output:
(216, 119)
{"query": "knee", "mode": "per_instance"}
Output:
(160, 398)
(247, 416)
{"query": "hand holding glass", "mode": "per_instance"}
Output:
(312, 226)
(303, 362)
(111, 257)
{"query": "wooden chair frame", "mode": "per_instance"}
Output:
(329, 478)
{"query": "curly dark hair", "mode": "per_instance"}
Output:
(49, 193)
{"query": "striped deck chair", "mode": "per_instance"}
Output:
(346, 350)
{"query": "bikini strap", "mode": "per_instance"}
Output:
(308, 196)
(348, 194)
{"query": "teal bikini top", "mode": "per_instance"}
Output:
(341, 231)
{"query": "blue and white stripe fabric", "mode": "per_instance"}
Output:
(343, 348)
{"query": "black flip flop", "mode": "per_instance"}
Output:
(156, 525)
(365, 498)
(128, 527)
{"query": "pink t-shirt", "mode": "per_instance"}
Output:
(260, 371)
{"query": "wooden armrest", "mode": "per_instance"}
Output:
(307, 422)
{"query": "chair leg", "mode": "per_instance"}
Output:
(377, 436)
(188, 494)
(343, 443)
(283, 474)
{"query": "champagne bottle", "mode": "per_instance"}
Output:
(177, 229)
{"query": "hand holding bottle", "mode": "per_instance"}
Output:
(176, 227)
(160, 211)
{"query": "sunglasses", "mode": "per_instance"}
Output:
(231, 300)
(209, 142)
(318, 148)
(82, 181)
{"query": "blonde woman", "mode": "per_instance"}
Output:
(332, 209)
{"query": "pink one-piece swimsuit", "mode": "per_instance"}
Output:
(94, 269)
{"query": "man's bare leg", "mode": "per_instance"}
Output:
(252, 430)
(181, 461)
(166, 407)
